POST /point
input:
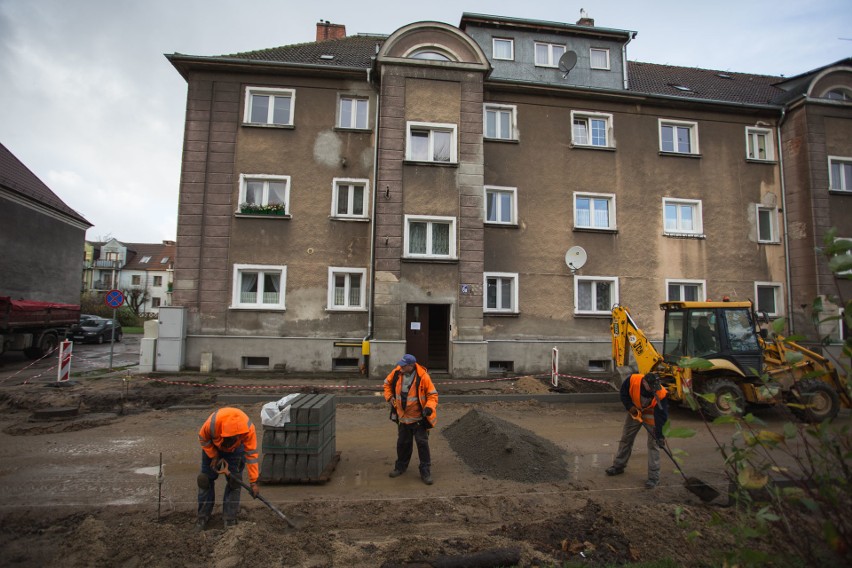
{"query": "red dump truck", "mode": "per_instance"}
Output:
(36, 328)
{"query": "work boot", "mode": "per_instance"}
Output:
(395, 473)
(612, 470)
(651, 483)
(230, 523)
(427, 478)
(201, 523)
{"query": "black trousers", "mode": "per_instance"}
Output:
(407, 435)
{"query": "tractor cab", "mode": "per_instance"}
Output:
(712, 330)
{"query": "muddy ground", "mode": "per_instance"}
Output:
(528, 488)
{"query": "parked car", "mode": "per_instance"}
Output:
(95, 330)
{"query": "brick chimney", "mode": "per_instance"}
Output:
(585, 20)
(327, 30)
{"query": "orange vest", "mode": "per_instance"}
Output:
(227, 422)
(636, 397)
(415, 402)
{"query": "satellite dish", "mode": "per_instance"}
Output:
(567, 62)
(575, 258)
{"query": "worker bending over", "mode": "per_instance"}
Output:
(228, 435)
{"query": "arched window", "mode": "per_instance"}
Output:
(429, 54)
(839, 94)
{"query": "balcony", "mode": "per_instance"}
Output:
(114, 264)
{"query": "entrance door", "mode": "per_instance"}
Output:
(427, 334)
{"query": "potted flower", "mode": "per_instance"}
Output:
(258, 209)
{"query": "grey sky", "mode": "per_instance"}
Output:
(89, 103)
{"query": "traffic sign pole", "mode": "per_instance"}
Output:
(113, 299)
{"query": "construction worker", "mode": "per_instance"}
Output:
(414, 401)
(645, 401)
(227, 436)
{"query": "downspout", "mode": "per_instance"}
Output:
(624, 59)
(372, 279)
(786, 226)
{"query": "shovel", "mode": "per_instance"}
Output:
(223, 469)
(694, 485)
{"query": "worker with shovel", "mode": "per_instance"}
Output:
(228, 435)
(646, 404)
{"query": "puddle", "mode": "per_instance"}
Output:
(155, 470)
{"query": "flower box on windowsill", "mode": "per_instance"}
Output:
(254, 210)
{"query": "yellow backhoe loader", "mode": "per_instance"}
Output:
(747, 366)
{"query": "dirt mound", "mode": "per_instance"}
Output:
(502, 450)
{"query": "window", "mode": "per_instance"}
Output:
(840, 173)
(501, 292)
(155, 302)
(591, 129)
(766, 224)
(678, 137)
(165, 260)
(259, 286)
(349, 199)
(347, 288)
(431, 142)
(353, 112)
(430, 237)
(548, 54)
(685, 290)
(682, 216)
(595, 295)
(136, 280)
(503, 48)
(599, 58)
(431, 55)
(272, 107)
(759, 144)
(839, 94)
(501, 205)
(264, 193)
(499, 122)
(768, 296)
(145, 260)
(594, 211)
(158, 280)
(844, 261)
(112, 255)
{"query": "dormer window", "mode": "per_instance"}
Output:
(430, 55)
(548, 54)
(599, 58)
(839, 94)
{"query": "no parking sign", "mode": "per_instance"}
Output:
(114, 298)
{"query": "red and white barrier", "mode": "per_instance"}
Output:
(64, 370)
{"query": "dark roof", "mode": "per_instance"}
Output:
(17, 178)
(352, 51)
(708, 84)
(155, 252)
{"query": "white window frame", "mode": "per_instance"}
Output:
(432, 127)
(350, 183)
(354, 100)
(848, 252)
(693, 135)
(752, 134)
(500, 109)
(551, 60)
(511, 43)
(430, 220)
(588, 116)
(608, 197)
(603, 50)
(513, 214)
(699, 222)
(236, 303)
(682, 283)
(779, 298)
(271, 92)
(772, 213)
(613, 280)
(265, 178)
(500, 277)
(842, 184)
(334, 271)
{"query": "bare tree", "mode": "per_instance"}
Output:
(135, 298)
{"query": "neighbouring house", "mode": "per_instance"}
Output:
(42, 238)
(143, 271)
(482, 194)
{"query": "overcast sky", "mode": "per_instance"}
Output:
(89, 103)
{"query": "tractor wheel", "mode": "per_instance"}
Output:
(820, 401)
(729, 398)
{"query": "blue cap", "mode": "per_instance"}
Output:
(407, 359)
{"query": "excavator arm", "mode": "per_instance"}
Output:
(627, 337)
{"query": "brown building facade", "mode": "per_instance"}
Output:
(478, 195)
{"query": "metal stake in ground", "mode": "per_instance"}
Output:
(223, 470)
